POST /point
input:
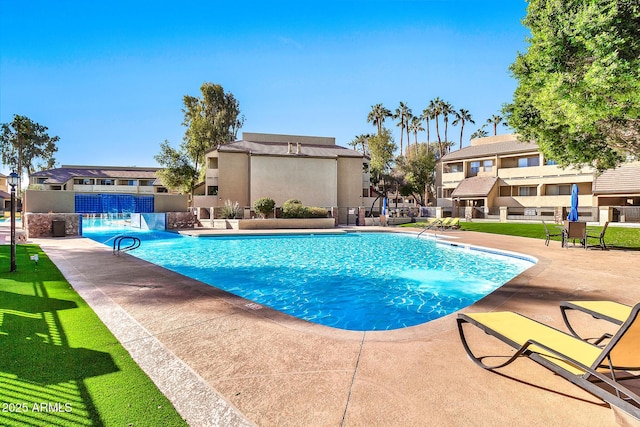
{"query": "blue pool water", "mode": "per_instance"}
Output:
(355, 281)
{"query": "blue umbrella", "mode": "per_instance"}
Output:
(573, 213)
(384, 206)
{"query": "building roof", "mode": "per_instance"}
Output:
(621, 180)
(288, 149)
(65, 173)
(511, 146)
(4, 195)
(477, 186)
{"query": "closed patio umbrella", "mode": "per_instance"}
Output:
(573, 213)
(384, 206)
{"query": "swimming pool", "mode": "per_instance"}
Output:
(354, 281)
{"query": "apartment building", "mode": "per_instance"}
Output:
(311, 169)
(99, 179)
(500, 171)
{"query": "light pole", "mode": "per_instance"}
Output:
(13, 181)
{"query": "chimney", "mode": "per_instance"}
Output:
(297, 148)
(288, 148)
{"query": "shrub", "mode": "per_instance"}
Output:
(264, 206)
(316, 212)
(293, 208)
(229, 210)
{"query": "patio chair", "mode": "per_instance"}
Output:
(574, 230)
(610, 311)
(603, 246)
(453, 223)
(599, 371)
(548, 234)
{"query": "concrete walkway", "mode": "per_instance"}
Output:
(225, 361)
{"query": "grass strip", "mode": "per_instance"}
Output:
(615, 237)
(60, 365)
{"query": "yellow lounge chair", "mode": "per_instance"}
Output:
(610, 311)
(578, 361)
(453, 223)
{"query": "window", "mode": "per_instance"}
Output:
(132, 182)
(453, 168)
(41, 180)
(105, 182)
(365, 192)
(505, 191)
(527, 191)
(487, 165)
(558, 190)
(475, 168)
(551, 162)
(213, 163)
(525, 162)
(212, 190)
(145, 182)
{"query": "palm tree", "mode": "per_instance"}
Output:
(480, 133)
(435, 106)
(427, 114)
(447, 109)
(415, 126)
(377, 115)
(361, 141)
(402, 113)
(495, 120)
(462, 116)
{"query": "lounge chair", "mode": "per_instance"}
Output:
(610, 311)
(548, 234)
(600, 237)
(453, 223)
(600, 371)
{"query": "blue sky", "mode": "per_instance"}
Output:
(108, 78)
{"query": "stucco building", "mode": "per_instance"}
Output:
(312, 169)
(500, 171)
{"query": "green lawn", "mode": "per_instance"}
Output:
(615, 237)
(59, 364)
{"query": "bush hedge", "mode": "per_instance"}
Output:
(293, 208)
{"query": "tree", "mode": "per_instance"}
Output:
(480, 133)
(25, 142)
(382, 148)
(211, 121)
(495, 120)
(178, 172)
(377, 116)
(415, 174)
(447, 110)
(462, 116)
(578, 93)
(361, 141)
(427, 114)
(402, 113)
(415, 126)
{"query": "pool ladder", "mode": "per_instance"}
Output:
(117, 244)
(435, 225)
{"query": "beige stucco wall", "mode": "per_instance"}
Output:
(349, 182)
(313, 181)
(233, 178)
(170, 202)
(38, 201)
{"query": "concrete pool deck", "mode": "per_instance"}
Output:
(225, 361)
